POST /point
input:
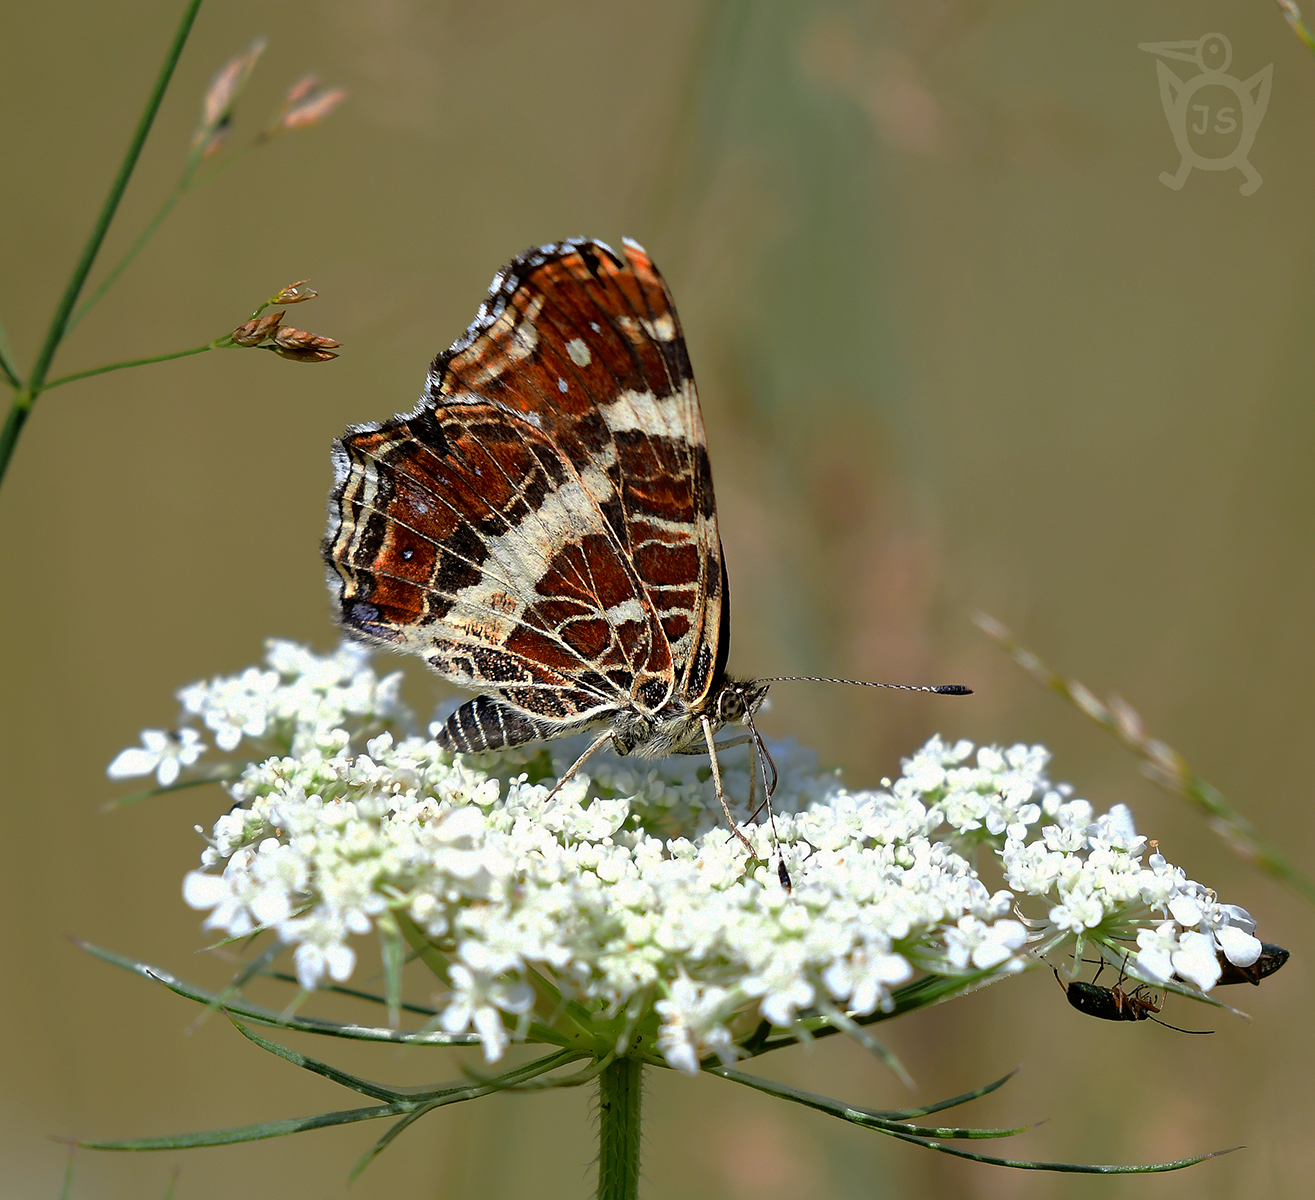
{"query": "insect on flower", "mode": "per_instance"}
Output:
(1116, 1003)
(1271, 958)
(541, 528)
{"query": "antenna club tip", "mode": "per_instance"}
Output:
(953, 689)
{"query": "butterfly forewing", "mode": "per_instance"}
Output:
(542, 528)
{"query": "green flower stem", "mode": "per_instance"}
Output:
(134, 362)
(229, 159)
(618, 1130)
(14, 422)
(36, 381)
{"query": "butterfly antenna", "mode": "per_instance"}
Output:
(942, 689)
(765, 759)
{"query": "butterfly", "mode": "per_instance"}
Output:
(541, 528)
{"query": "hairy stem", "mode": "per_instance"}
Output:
(618, 1130)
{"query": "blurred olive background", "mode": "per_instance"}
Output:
(959, 349)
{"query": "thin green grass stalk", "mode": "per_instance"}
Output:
(1293, 15)
(7, 371)
(220, 775)
(1162, 763)
(66, 1191)
(337, 989)
(618, 1130)
(134, 362)
(187, 181)
(392, 950)
(36, 380)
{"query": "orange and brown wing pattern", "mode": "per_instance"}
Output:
(542, 528)
(464, 538)
(591, 345)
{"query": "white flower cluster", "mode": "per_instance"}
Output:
(1090, 866)
(625, 892)
(300, 701)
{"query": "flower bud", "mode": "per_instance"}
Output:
(1128, 719)
(292, 339)
(304, 355)
(215, 142)
(1166, 760)
(1087, 702)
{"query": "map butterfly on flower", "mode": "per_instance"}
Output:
(541, 528)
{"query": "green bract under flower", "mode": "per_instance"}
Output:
(624, 892)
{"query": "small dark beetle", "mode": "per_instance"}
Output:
(1114, 1004)
(1271, 958)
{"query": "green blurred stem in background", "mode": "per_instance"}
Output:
(1293, 15)
(59, 323)
(5, 355)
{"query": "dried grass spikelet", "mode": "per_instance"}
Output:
(294, 293)
(304, 106)
(257, 329)
(312, 110)
(300, 346)
(217, 105)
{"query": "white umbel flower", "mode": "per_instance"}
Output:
(161, 753)
(299, 703)
(624, 896)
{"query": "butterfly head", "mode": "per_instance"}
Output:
(738, 697)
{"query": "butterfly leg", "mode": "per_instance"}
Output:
(716, 783)
(756, 810)
(738, 741)
(597, 744)
(782, 872)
